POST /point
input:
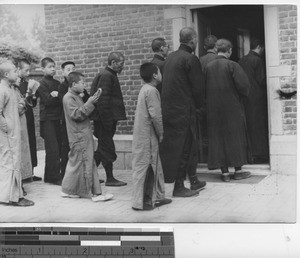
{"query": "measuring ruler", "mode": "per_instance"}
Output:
(79, 242)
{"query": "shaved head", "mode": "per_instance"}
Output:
(187, 34)
(6, 67)
(8, 72)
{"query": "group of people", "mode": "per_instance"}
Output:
(178, 90)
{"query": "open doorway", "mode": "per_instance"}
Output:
(238, 24)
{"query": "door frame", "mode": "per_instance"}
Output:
(283, 148)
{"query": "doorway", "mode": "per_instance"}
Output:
(238, 23)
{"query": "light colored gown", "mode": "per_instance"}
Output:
(81, 176)
(10, 144)
(145, 149)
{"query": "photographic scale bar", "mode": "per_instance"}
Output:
(79, 242)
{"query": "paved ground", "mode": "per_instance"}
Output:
(271, 200)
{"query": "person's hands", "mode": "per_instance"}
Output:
(32, 86)
(54, 94)
(96, 96)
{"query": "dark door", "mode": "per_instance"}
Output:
(233, 22)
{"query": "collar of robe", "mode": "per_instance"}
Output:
(73, 91)
(159, 57)
(254, 53)
(111, 70)
(185, 48)
(49, 77)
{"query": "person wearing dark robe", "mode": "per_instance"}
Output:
(28, 90)
(160, 49)
(211, 54)
(66, 67)
(256, 102)
(109, 110)
(50, 116)
(226, 85)
(210, 48)
(182, 93)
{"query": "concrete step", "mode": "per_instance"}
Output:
(255, 169)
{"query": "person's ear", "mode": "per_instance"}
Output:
(6, 74)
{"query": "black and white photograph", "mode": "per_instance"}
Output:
(148, 113)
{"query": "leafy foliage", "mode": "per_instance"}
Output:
(15, 44)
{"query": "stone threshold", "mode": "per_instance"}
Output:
(255, 169)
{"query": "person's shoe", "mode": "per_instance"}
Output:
(196, 184)
(102, 197)
(240, 174)
(65, 195)
(114, 182)
(22, 203)
(36, 178)
(101, 181)
(162, 202)
(184, 192)
(146, 207)
(225, 177)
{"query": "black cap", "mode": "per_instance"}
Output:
(67, 63)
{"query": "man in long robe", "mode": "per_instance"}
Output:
(160, 49)
(226, 85)
(81, 176)
(10, 139)
(211, 54)
(256, 102)
(182, 93)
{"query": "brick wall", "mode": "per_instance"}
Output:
(288, 55)
(87, 33)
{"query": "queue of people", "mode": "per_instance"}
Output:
(177, 88)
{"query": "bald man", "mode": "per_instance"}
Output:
(10, 139)
(182, 94)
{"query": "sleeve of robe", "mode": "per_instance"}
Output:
(3, 102)
(78, 113)
(196, 79)
(62, 90)
(154, 109)
(240, 79)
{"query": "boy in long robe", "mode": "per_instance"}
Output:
(10, 139)
(148, 178)
(81, 176)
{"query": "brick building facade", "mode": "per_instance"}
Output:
(87, 33)
(288, 55)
